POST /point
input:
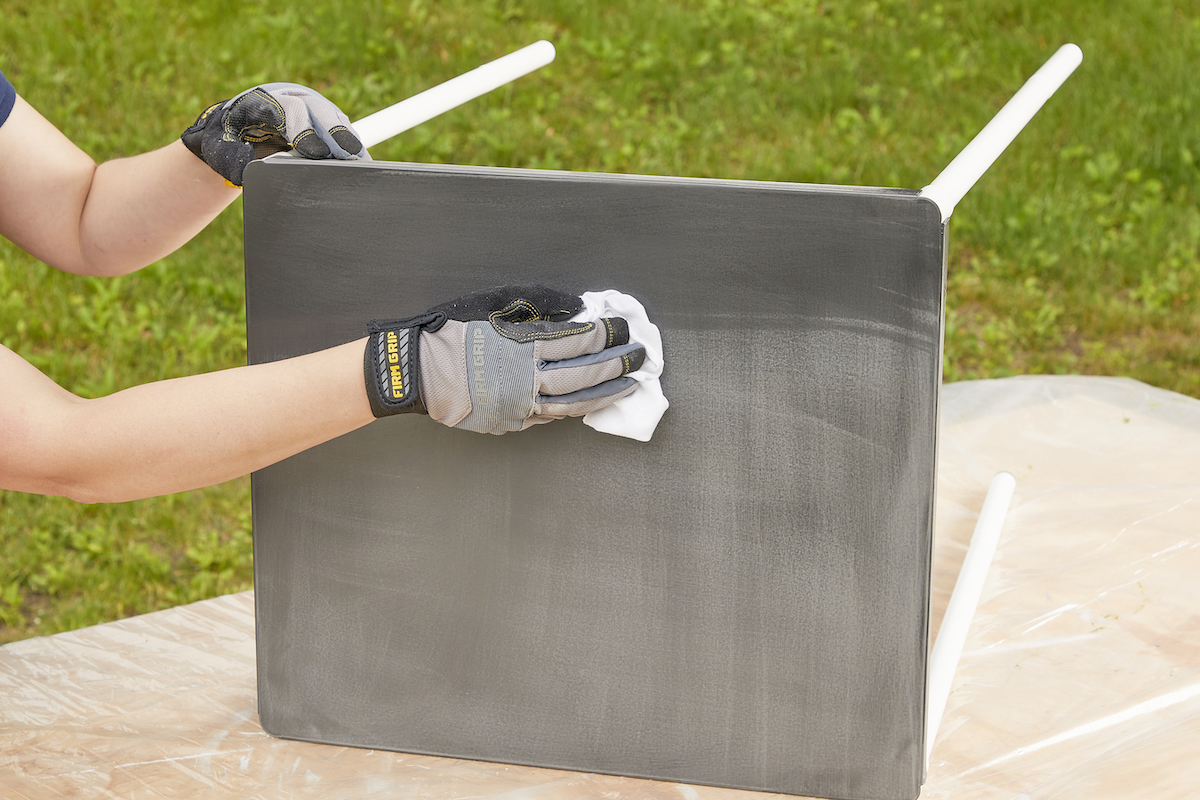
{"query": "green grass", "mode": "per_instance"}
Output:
(1079, 251)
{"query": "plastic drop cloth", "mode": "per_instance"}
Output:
(1080, 677)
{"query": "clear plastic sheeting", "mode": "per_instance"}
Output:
(1080, 676)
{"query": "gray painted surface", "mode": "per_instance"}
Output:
(742, 601)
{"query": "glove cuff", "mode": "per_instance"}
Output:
(391, 364)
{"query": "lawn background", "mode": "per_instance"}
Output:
(1078, 252)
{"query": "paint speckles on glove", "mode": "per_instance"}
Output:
(502, 360)
(268, 119)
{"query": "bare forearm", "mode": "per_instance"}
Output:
(143, 208)
(107, 220)
(181, 434)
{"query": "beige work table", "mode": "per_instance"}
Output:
(1080, 677)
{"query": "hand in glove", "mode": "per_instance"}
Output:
(500, 360)
(270, 119)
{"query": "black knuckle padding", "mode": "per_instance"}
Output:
(539, 330)
(229, 135)
(255, 117)
(544, 302)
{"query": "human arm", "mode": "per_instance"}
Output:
(493, 361)
(177, 434)
(58, 205)
(62, 208)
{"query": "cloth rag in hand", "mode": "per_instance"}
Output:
(637, 415)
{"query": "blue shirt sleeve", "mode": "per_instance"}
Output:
(8, 96)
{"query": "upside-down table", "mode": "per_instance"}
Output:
(742, 601)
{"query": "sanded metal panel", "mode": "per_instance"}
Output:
(743, 601)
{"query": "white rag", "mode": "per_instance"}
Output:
(634, 416)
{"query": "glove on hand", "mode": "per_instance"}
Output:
(500, 360)
(270, 119)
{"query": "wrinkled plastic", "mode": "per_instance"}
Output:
(1081, 673)
(1080, 676)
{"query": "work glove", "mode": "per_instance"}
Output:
(500, 360)
(270, 119)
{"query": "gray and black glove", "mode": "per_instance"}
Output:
(270, 119)
(500, 360)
